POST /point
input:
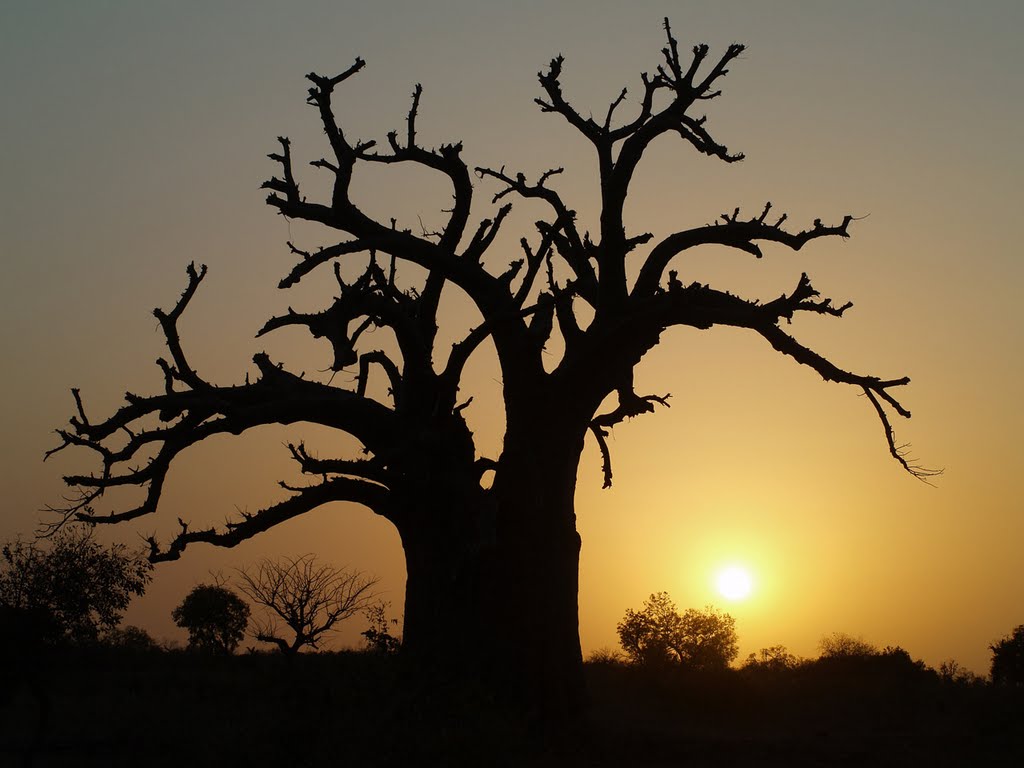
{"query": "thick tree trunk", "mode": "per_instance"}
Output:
(493, 576)
(447, 596)
(447, 532)
(537, 563)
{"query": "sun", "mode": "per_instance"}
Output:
(734, 582)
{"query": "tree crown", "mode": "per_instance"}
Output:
(568, 286)
(215, 617)
(658, 634)
(74, 586)
(308, 597)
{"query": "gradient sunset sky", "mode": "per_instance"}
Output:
(133, 141)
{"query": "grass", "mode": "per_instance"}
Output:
(115, 708)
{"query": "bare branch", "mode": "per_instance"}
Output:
(900, 452)
(367, 469)
(735, 233)
(611, 110)
(693, 131)
(872, 386)
(571, 246)
(197, 413)
(342, 488)
(169, 324)
(485, 234)
(311, 261)
(446, 159)
(550, 82)
(630, 405)
(390, 369)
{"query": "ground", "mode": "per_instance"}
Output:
(166, 709)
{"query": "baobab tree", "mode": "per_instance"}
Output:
(490, 541)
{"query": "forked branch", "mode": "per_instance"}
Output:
(187, 417)
(630, 405)
(876, 389)
(732, 231)
(235, 531)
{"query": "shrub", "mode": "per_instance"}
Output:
(215, 618)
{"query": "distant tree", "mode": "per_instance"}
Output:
(69, 590)
(215, 617)
(775, 657)
(708, 638)
(842, 645)
(659, 634)
(646, 635)
(952, 671)
(897, 661)
(378, 636)
(1008, 659)
(308, 597)
(130, 638)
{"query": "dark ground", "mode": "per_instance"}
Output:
(114, 708)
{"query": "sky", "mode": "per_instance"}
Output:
(133, 141)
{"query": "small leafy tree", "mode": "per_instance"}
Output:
(659, 634)
(70, 590)
(310, 598)
(842, 645)
(776, 657)
(646, 635)
(708, 638)
(378, 636)
(1008, 659)
(215, 617)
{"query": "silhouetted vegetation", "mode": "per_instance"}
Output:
(658, 634)
(113, 706)
(568, 322)
(68, 588)
(840, 644)
(775, 658)
(952, 672)
(308, 597)
(130, 638)
(378, 636)
(215, 618)
(1008, 659)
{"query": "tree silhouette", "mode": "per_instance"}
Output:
(130, 638)
(71, 590)
(841, 645)
(658, 634)
(647, 635)
(1008, 659)
(500, 556)
(310, 598)
(378, 636)
(215, 618)
(774, 658)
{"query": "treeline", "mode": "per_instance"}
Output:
(659, 637)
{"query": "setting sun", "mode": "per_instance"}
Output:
(734, 583)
